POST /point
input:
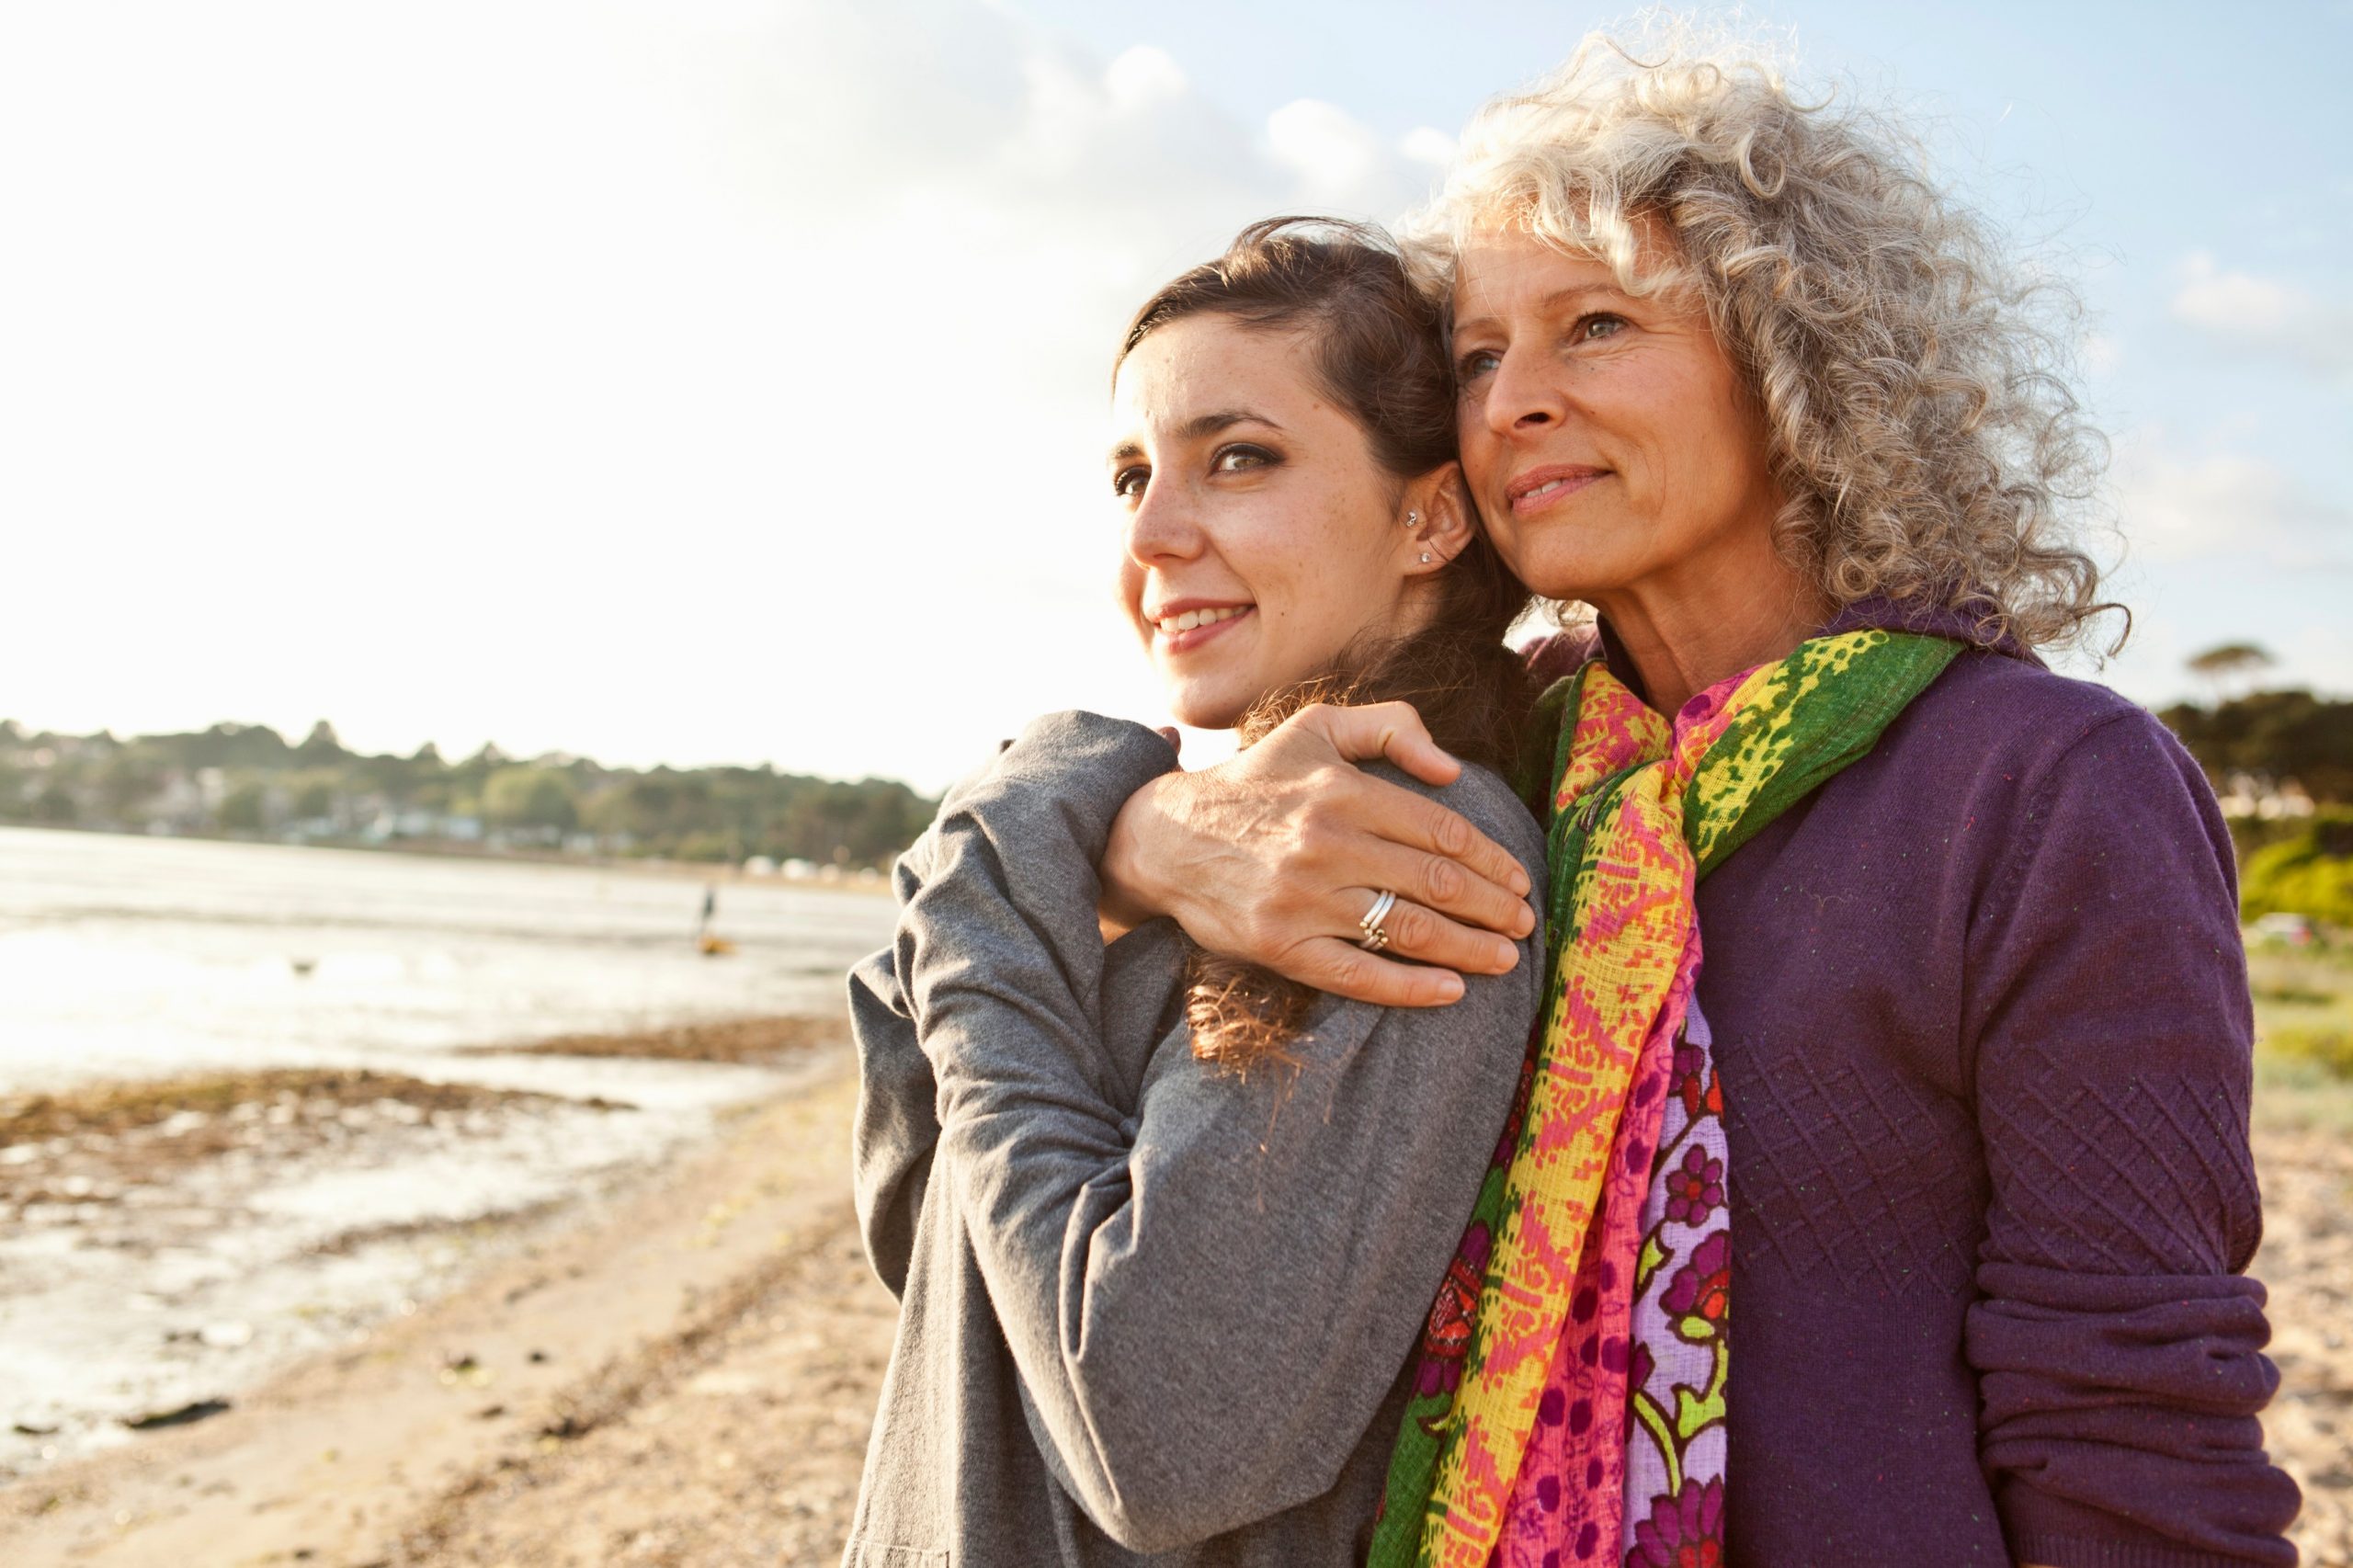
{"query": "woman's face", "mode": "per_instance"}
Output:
(1606, 437)
(1262, 536)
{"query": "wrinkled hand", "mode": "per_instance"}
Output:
(1276, 855)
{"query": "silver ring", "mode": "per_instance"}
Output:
(1375, 938)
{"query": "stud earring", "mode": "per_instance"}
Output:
(1412, 518)
(1425, 557)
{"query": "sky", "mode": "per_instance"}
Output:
(705, 380)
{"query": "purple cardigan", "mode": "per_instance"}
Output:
(1981, 1010)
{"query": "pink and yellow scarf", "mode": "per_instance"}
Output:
(1546, 1355)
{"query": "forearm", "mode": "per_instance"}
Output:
(1275, 856)
(895, 1130)
(2118, 1344)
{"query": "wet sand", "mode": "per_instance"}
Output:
(761, 1042)
(167, 1245)
(98, 1144)
(683, 1373)
(522, 1417)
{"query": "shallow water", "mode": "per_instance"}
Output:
(140, 957)
(135, 957)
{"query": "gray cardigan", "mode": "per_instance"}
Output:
(1150, 1312)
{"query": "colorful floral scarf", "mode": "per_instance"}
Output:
(1682, 1330)
(1517, 1442)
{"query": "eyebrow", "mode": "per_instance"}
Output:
(1199, 427)
(1551, 302)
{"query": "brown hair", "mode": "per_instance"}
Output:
(1378, 353)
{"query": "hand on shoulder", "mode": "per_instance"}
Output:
(1277, 855)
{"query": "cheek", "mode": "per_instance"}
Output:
(1127, 588)
(1267, 549)
(1508, 544)
(1351, 581)
(1479, 448)
(1703, 430)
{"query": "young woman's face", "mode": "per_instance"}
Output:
(1606, 437)
(1262, 536)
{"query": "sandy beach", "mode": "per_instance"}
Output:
(682, 1371)
(677, 1372)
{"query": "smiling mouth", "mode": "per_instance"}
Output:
(1549, 485)
(1194, 627)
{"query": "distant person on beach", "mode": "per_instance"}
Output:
(1166, 1229)
(1956, 1104)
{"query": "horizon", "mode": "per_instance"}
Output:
(2225, 682)
(555, 757)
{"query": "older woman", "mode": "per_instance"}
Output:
(1976, 1166)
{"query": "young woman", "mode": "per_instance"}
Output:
(1165, 1230)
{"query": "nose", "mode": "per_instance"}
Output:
(1521, 394)
(1162, 527)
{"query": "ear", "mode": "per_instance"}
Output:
(1440, 505)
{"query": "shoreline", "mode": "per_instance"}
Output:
(527, 1416)
(863, 880)
(166, 1244)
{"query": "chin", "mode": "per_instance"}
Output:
(1206, 710)
(1571, 574)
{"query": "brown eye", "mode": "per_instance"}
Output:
(1240, 458)
(1128, 483)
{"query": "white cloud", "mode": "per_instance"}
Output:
(723, 387)
(1428, 144)
(2248, 314)
(1142, 77)
(1339, 161)
(2226, 302)
(2223, 546)
(2177, 504)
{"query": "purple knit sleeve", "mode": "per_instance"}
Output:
(2119, 1345)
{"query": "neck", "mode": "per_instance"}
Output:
(1688, 630)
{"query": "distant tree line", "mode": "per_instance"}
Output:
(2289, 755)
(2280, 735)
(248, 781)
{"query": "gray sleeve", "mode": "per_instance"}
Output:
(896, 1128)
(1207, 1301)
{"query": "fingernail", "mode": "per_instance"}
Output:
(1506, 955)
(1449, 988)
(1520, 882)
(1526, 923)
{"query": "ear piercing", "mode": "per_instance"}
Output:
(1412, 518)
(1425, 557)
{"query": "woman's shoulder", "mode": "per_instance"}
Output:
(2002, 739)
(1489, 1026)
(1483, 798)
(1989, 708)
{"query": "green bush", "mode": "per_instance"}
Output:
(2331, 1049)
(2309, 874)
